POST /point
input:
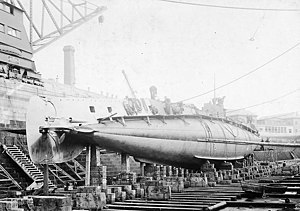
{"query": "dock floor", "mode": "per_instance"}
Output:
(221, 197)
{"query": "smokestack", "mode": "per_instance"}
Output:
(69, 65)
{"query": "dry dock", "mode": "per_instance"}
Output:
(207, 198)
(195, 191)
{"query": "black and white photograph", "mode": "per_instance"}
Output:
(149, 105)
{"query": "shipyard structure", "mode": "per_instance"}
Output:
(65, 148)
(19, 81)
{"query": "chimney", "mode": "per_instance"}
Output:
(69, 65)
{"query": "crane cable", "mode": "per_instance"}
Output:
(269, 101)
(230, 7)
(243, 76)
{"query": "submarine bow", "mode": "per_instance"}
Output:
(48, 144)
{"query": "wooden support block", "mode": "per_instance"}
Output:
(110, 198)
(90, 200)
(8, 205)
(140, 193)
(225, 182)
(123, 196)
(59, 203)
(211, 184)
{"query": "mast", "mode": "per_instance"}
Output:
(214, 86)
(128, 83)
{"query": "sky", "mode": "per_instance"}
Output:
(182, 49)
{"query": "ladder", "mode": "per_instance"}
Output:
(27, 166)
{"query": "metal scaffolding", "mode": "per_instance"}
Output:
(49, 20)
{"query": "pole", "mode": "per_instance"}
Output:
(128, 83)
(88, 166)
(46, 179)
(214, 86)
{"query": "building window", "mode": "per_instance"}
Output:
(290, 130)
(92, 109)
(13, 32)
(7, 8)
(1, 27)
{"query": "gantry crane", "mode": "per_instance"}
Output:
(49, 20)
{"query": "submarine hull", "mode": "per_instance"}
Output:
(177, 140)
(182, 141)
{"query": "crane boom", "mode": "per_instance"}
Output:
(57, 18)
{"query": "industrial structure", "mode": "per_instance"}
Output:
(20, 80)
(287, 124)
(47, 145)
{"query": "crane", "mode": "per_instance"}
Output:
(49, 20)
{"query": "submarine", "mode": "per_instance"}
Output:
(58, 129)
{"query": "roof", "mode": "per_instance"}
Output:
(290, 115)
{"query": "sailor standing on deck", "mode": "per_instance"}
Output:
(167, 103)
